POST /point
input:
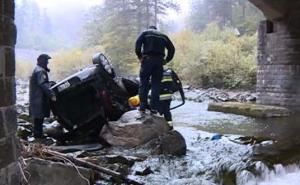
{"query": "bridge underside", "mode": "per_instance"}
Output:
(278, 74)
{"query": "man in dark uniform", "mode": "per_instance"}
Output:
(40, 95)
(150, 49)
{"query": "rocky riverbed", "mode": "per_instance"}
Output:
(221, 148)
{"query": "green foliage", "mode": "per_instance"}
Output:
(239, 14)
(215, 58)
(65, 63)
(116, 25)
(23, 69)
(246, 16)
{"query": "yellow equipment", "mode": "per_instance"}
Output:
(134, 101)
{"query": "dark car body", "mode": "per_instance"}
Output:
(89, 98)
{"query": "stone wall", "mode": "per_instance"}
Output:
(9, 170)
(278, 75)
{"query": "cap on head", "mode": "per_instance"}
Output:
(43, 57)
(153, 27)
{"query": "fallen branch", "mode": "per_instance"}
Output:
(45, 153)
(92, 166)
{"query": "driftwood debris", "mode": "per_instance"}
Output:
(45, 153)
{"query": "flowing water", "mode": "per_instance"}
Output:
(269, 155)
(250, 151)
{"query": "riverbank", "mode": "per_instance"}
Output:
(246, 151)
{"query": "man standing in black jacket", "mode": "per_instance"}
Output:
(40, 95)
(150, 50)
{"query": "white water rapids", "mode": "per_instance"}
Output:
(289, 175)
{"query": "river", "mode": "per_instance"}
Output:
(274, 160)
(249, 152)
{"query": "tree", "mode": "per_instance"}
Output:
(116, 24)
(34, 27)
(234, 13)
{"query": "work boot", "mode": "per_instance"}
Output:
(141, 115)
(170, 123)
(154, 112)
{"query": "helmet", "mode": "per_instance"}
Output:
(134, 101)
(43, 57)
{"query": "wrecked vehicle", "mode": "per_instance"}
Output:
(93, 96)
(89, 98)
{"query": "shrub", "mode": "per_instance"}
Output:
(215, 58)
(23, 69)
(65, 63)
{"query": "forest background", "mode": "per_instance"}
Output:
(215, 44)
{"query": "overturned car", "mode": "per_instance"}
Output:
(89, 98)
(93, 96)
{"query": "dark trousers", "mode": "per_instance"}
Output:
(151, 67)
(38, 127)
(164, 108)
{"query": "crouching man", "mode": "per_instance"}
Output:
(40, 95)
(165, 96)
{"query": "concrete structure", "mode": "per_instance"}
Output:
(278, 74)
(9, 169)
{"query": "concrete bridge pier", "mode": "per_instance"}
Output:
(278, 74)
(9, 169)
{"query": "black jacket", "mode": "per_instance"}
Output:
(154, 43)
(39, 93)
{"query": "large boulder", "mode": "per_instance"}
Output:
(170, 143)
(129, 132)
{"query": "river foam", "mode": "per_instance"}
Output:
(280, 175)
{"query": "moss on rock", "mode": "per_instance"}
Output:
(249, 109)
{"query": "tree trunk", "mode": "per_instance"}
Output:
(155, 13)
(147, 13)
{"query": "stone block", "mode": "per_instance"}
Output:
(7, 89)
(44, 172)
(7, 8)
(10, 65)
(8, 31)
(11, 120)
(2, 131)
(7, 152)
(10, 175)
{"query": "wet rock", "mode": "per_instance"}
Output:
(245, 97)
(24, 124)
(23, 132)
(218, 95)
(251, 140)
(21, 109)
(54, 173)
(145, 172)
(25, 117)
(53, 130)
(119, 159)
(45, 141)
(172, 143)
(247, 109)
(129, 132)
